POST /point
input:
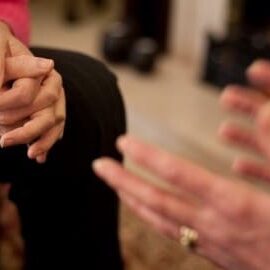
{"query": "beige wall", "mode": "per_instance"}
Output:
(191, 21)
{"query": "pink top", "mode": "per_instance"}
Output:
(16, 14)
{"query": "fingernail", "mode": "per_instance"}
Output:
(5, 142)
(44, 63)
(97, 165)
(254, 67)
(257, 65)
(122, 141)
(2, 142)
(41, 159)
(33, 154)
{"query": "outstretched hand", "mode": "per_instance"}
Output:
(230, 217)
(253, 102)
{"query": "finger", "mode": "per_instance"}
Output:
(210, 189)
(46, 142)
(179, 172)
(17, 48)
(259, 74)
(252, 168)
(41, 122)
(48, 94)
(205, 247)
(60, 109)
(55, 92)
(263, 129)
(219, 256)
(158, 222)
(238, 136)
(242, 100)
(4, 191)
(9, 221)
(6, 129)
(159, 200)
(23, 92)
(41, 158)
(3, 55)
(27, 66)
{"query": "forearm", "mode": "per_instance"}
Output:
(16, 15)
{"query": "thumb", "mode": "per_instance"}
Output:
(263, 129)
(17, 48)
(3, 51)
(26, 66)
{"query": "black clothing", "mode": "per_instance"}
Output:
(65, 210)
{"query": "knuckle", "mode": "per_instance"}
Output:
(25, 136)
(57, 92)
(60, 117)
(210, 225)
(50, 120)
(158, 198)
(20, 61)
(58, 78)
(24, 96)
(5, 119)
(170, 169)
(23, 60)
(242, 208)
(237, 207)
(51, 97)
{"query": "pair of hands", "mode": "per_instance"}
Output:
(32, 101)
(232, 218)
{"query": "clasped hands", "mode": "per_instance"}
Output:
(32, 99)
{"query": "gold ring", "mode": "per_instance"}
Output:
(188, 237)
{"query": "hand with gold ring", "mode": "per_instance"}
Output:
(254, 103)
(223, 220)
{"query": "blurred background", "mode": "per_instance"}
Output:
(172, 58)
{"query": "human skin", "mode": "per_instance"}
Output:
(33, 110)
(11, 242)
(232, 218)
(251, 102)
